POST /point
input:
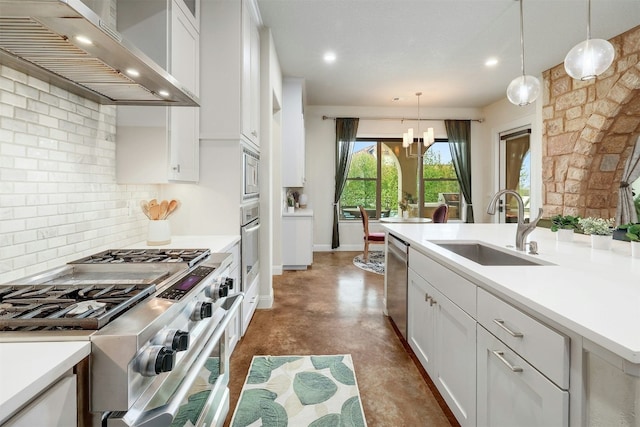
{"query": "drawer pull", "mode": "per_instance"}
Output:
(500, 355)
(514, 334)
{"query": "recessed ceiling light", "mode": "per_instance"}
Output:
(329, 57)
(84, 40)
(163, 93)
(397, 99)
(132, 72)
(491, 62)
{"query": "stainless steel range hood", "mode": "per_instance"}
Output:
(40, 38)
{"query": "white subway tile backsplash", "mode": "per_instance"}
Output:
(58, 194)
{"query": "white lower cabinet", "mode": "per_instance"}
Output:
(57, 406)
(511, 392)
(250, 303)
(493, 364)
(297, 240)
(443, 337)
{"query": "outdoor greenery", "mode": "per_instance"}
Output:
(360, 188)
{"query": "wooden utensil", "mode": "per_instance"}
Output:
(154, 212)
(152, 203)
(173, 205)
(164, 208)
(145, 208)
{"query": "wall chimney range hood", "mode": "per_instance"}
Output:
(47, 40)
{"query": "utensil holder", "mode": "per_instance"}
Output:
(159, 233)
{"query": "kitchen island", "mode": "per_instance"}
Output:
(590, 298)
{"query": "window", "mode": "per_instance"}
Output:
(381, 175)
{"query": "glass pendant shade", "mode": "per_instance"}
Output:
(523, 90)
(588, 59)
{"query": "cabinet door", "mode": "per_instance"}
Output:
(184, 122)
(250, 75)
(421, 321)
(455, 345)
(513, 393)
(297, 243)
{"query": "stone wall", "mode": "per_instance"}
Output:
(588, 133)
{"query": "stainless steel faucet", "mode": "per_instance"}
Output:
(524, 228)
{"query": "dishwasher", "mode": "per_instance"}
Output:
(397, 264)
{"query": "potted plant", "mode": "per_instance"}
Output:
(633, 234)
(291, 203)
(564, 225)
(600, 230)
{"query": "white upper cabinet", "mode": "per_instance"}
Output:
(160, 144)
(230, 91)
(293, 136)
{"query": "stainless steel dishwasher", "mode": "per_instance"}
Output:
(397, 263)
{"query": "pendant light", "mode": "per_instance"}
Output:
(407, 137)
(523, 90)
(590, 58)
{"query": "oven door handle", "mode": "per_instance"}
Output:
(252, 229)
(165, 414)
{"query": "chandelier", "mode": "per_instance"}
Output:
(408, 141)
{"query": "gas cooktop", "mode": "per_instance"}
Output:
(124, 256)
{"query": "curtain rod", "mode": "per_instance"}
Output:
(402, 119)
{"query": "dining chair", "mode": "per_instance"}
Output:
(440, 214)
(374, 238)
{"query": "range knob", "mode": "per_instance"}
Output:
(202, 310)
(155, 360)
(229, 282)
(173, 338)
(218, 289)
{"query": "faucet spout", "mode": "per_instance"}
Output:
(524, 229)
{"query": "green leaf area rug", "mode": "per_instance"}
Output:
(300, 391)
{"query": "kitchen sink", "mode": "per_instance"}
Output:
(487, 255)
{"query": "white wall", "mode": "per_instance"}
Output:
(59, 199)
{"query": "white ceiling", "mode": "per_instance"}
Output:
(395, 48)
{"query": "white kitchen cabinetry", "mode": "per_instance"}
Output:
(230, 101)
(293, 134)
(160, 144)
(511, 392)
(250, 303)
(57, 406)
(234, 328)
(442, 333)
(524, 374)
(297, 239)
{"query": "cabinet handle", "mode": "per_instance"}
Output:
(432, 301)
(427, 297)
(514, 334)
(500, 355)
(254, 133)
(177, 168)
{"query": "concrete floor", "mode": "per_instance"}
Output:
(336, 308)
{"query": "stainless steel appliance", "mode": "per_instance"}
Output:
(35, 31)
(397, 284)
(156, 320)
(250, 255)
(250, 174)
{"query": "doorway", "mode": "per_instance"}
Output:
(515, 173)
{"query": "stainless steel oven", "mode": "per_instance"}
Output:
(250, 244)
(157, 321)
(250, 174)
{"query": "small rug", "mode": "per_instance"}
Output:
(300, 391)
(375, 264)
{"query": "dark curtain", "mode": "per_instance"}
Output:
(459, 135)
(346, 130)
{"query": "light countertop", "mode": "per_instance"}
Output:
(28, 369)
(595, 293)
(216, 243)
(299, 212)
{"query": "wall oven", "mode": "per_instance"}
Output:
(250, 174)
(250, 244)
